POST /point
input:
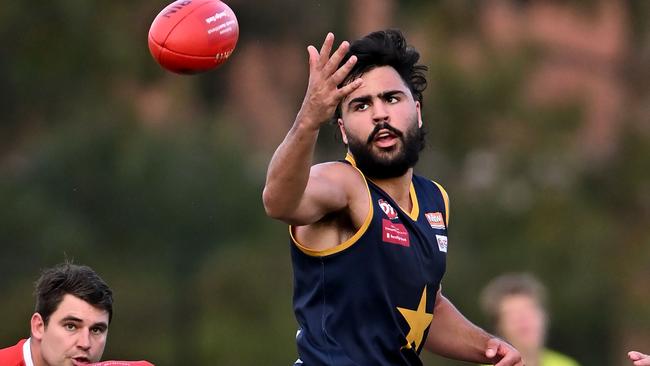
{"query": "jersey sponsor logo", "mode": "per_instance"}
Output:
(435, 220)
(442, 242)
(394, 233)
(388, 209)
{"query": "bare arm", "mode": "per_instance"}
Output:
(452, 335)
(295, 192)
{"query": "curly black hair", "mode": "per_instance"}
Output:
(387, 48)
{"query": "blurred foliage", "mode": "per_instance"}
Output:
(170, 215)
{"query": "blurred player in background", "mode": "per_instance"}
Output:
(639, 359)
(368, 237)
(515, 304)
(74, 307)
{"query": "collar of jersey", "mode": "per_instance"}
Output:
(27, 352)
(415, 211)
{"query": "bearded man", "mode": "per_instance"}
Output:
(368, 236)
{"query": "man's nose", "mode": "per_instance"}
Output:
(380, 113)
(83, 340)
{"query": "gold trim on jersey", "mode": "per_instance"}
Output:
(349, 242)
(415, 210)
(445, 197)
(350, 159)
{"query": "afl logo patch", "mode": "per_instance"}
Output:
(435, 220)
(388, 209)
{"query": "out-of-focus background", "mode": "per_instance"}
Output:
(538, 119)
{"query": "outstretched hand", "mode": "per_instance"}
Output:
(639, 359)
(323, 94)
(502, 354)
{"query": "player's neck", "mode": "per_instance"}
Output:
(398, 188)
(35, 350)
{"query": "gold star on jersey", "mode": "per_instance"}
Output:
(418, 321)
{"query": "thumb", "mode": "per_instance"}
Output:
(492, 348)
(313, 56)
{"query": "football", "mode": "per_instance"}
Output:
(193, 36)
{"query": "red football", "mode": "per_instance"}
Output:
(192, 36)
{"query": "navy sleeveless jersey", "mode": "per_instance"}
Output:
(370, 300)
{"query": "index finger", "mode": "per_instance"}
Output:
(346, 90)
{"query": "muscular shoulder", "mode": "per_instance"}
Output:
(342, 174)
(351, 184)
(344, 183)
(337, 169)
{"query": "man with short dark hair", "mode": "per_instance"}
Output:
(74, 308)
(368, 236)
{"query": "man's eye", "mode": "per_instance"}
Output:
(69, 326)
(361, 107)
(97, 331)
(392, 100)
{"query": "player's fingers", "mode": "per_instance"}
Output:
(490, 352)
(343, 71)
(510, 356)
(349, 88)
(639, 358)
(313, 57)
(504, 361)
(336, 58)
(492, 348)
(634, 355)
(326, 49)
(508, 361)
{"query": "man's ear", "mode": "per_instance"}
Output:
(418, 109)
(37, 326)
(342, 129)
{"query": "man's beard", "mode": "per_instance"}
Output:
(388, 164)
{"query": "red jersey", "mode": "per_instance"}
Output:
(13, 356)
